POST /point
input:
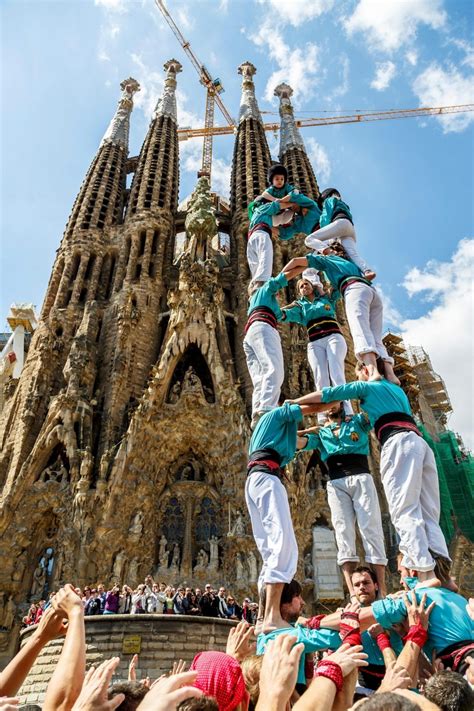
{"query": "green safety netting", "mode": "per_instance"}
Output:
(456, 484)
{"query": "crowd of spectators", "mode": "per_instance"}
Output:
(154, 598)
(265, 676)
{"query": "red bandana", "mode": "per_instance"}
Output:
(220, 676)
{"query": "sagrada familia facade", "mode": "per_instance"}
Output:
(123, 443)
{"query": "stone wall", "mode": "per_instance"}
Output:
(158, 639)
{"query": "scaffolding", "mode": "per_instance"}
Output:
(403, 368)
(431, 385)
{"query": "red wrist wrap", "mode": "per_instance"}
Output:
(331, 671)
(383, 641)
(353, 637)
(314, 623)
(417, 634)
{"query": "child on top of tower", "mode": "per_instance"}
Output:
(281, 211)
(336, 223)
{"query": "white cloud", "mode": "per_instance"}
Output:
(446, 87)
(468, 50)
(384, 73)
(151, 83)
(319, 159)
(112, 5)
(412, 57)
(342, 84)
(446, 330)
(299, 66)
(298, 12)
(389, 24)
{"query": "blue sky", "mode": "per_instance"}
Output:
(409, 182)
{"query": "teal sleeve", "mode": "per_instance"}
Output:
(275, 283)
(303, 201)
(389, 611)
(349, 391)
(269, 208)
(294, 315)
(317, 262)
(291, 413)
(314, 640)
(314, 442)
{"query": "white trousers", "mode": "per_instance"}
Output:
(355, 498)
(364, 311)
(344, 231)
(326, 359)
(269, 510)
(264, 355)
(410, 482)
(260, 255)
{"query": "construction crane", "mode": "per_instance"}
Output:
(185, 133)
(214, 89)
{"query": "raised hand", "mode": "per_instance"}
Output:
(67, 601)
(51, 625)
(241, 641)
(178, 667)
(93, 696)
(396, 677)
(417, 611)
(348, 657)
(7, 703)
(279, 672)
(166, 693)
(132, 668)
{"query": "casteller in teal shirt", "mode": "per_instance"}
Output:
(337, 269)
(313, 640)
(266, 295)
(449, 622)
(352, 438)
(377, 397)
(278, 430)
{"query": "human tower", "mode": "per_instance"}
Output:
(331, 271)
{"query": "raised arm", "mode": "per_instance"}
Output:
(66, 683)
(12, 677)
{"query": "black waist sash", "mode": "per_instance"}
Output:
(348, 280)
(454, 656)
(264, 314)
(320, 327)
(260, 226)
(341, 215)
(393, 422)
(341, 465)
(265, 460)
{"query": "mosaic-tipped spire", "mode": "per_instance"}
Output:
(166, 105)
(248, 102)
(290, 136)
(119, 128)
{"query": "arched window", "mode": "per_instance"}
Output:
(191, 373)
(206, 522)
(173, 522)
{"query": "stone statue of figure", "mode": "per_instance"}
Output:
(201, 560)
(214, 552)
(136, 526)
(239, 525)
(39, 581)
(118, 566)
(239, 568)
(308, 567)
(175, 557)
(252, 564)
(162, 550)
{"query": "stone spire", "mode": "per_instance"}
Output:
(290, 136)
(251, 153)
(248, 102)
(155, 183)
(119, 128)
(292, 149)
(166, 105)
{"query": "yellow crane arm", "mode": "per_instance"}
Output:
(185, 133)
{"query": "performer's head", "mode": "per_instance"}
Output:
(336, 413)
(365, 585)
(277, 176)
(291, 604)
(329, 192)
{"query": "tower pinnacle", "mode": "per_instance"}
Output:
(248, 103)
(290, 136)
(118, 129)
(166, 105)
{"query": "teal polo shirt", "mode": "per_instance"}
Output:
(335, 268)
(449, 622)
(331, 206)
(313, 640)
(277, 430)
(266, 295)
(377, 397)
(264, 213)
(352, 438)
(305, 310)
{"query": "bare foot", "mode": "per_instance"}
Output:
(370, 275)
(393, 379)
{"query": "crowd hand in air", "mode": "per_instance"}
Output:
(167, 692)
(349, 657)
(241, 641)
(7, 703)
(178, 667)
(93, 696)
(396, 677)
(51, 625)
(418, 612)
(279, 672)
(67, 601)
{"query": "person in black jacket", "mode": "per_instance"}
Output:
(209, 603)
(93, 604)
